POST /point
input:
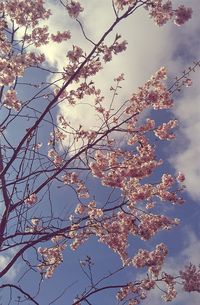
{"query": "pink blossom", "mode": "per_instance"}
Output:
(180, 178)
(120, 4)
(80, 209)
(52, 257)
(10, 100)
(188, 82)
(182, 14)
(120, 47)
(75, 54)
(107, 54)
(161, 13)
(167, 180)
(162, 132)
(170, 294)
(153, 260)
(35, 221)
(32, 199)
(150, 224)
(40, 36)
(57, 160)
(27, 12)
(191, 278)
(74, 8)
(119, 78)
(61, 36)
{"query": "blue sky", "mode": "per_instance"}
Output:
(149, 48)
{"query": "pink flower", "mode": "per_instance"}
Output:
(32, 199)
(161, 13)
(182, 14)
(74, 9)
(188, 82)
(120, 47)
(75, 54)
(59, 37)
(180, 178)
(26, 12)
(162, 132)
(40, 36)
(10, 100)
(80, 209)
(120, 4)
(191, 278)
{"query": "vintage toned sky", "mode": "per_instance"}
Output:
(149, 48)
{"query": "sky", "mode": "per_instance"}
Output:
(149, 48)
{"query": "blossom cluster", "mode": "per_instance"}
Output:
(153, 259)
(170, 282)
(112, 231)
(78, 236)
(57, 159)
(162, 132)
(57, 136)
(115, 48)
(120, 227)
(72, 96)
(72, 178)
(27, 12)
(93, 65)
(182, 14)
(39, 36)
(35, 225)
(161, 11)
(120, 4)
(191, 278)
(91, 210)
(10, 100)
(150, 224)
(32, 199)
(61, 36)
(152, 94)
(16, 66)
(5, 45)
(75, 54)
(125, 170)
(52, 258)
(74, 8)
(121, 168)
(135, 292)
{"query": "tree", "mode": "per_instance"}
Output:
(109, 172)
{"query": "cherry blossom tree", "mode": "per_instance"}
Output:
(42, 153)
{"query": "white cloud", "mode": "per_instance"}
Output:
(187, 109)
(149, 48)
(11, 274)
(187, 156)
(142, 58)
(192, 247)
(173, 265)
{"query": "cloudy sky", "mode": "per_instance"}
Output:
(149, 48)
